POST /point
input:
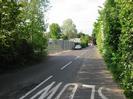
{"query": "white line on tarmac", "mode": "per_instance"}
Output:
(67, 51)
(49, 91)
(83, 53)
(58, 53)
(100, 93)
(76, 57)
(65, 87)
(66, 65)
(36, 87)
(93, 89)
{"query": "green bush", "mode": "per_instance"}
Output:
(21, 32)
(84, 39)
(126, 46)
(116, 25)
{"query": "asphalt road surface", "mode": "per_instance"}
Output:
(76, 74)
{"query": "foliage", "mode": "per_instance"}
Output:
(126, 46)
(84, 40)
(113, 32)
(63, 36)
(98, 33)
(55, 31)
(80, 34)
(69, 29)
(33, 25)
(21, 31)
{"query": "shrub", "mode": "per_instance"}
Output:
(115, 24)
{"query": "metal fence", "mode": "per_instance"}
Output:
(55, 46)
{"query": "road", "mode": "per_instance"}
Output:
(76, 74)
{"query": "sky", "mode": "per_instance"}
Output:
(83, 13)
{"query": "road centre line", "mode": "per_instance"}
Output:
(76, 57)
(67, 51)
(58, 53)
(66, 65)
(84, 53)
(71, 62)
(36, 87)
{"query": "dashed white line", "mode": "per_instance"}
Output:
(76, 57)
(66, 65)
(58, 53)
(83, 53)
(67, 51)
(36, 87)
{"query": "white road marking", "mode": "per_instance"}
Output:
(59, 52)
(65, 87)
(66, 65)
(76, 57)
(53, 93)
(100, 93)
(48, 91)
(41, 91)
(67, 51)
(83, 65)
(93, 89)
(83, 53)
(36, 87)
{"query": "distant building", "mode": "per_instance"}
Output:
(75, 40)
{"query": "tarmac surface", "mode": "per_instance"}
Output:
(73, 74)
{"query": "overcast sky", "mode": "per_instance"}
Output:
(82, 12)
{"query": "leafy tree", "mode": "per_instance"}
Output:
(69, 29)
(55, 31)
(9, 38)
(80, 34)
(34, 25)
(98, 35)
(64, 37)
(84, 40)
(21, 30)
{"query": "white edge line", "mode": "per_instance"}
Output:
(36, 87)
(66, 65)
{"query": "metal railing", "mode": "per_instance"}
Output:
(55, 46)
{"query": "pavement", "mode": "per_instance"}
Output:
(73, 74)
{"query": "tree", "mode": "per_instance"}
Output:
(9, 31)
(69, 29)
(98, 35)
(55, 31)
(21, 30)
(33, 25)
(84, 39)
(80, 34)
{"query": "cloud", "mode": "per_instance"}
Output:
(82, 12)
